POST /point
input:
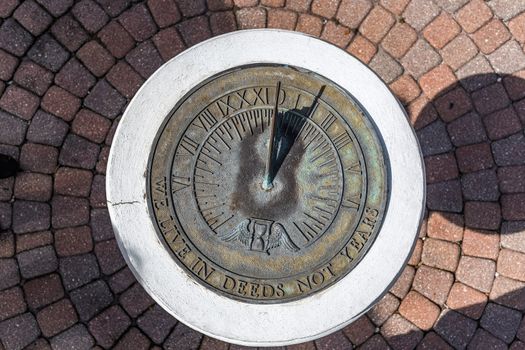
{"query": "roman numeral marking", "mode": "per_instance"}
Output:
(327, 121)
(225, 106)
(179, 183)
(261, 94)
(342, 140)
(189, 145)
(205, 120)
(351, 202)
(160, 186)
(242, 96)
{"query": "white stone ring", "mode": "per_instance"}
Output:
(212, 313)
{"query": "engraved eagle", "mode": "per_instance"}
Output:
(260, 235)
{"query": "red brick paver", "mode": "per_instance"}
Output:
(68, 68)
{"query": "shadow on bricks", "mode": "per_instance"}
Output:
(465, 283)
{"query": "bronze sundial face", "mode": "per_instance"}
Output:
(266, 204)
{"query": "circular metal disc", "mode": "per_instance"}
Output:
(204, 235)
(206, 188)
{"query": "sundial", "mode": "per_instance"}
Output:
(265, 187)
(273, 189)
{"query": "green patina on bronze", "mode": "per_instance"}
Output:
(329, 189)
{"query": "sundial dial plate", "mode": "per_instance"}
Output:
(238, 317)
(329, 189)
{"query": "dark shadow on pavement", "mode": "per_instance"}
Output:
(465, 284)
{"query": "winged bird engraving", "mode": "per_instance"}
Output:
(241, 231)
(279, 236)
(260, 235)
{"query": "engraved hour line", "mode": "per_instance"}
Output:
(211, 158)
(205, 196)
(210, 206)
(214, 206)
(259, 115)
(255, 115)
(354, 168)
(240, 119)
(324, 200)
(210, 212)
(309, 128)
(316, 137)
(214, 225)
(324, 211)
(293, 123)
(322, 144)
(327, 150)
(317, 220)
(237, 129)
(296, 121)
(212, 146)
(248, 122)
(308, 233)
(297, 100)
(212, 136)
(330, 163)
(226, 130)
(211, 216)
(205, 163)
(206, 183)
(202, 169)
(328, 188)
(213, 221)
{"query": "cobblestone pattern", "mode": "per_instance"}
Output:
(68, 69)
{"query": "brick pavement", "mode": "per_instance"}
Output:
(68, 69)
